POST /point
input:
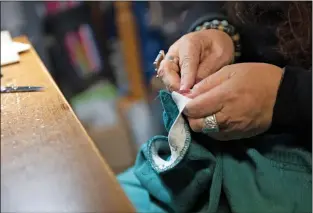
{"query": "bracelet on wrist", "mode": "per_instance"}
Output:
(227, 28)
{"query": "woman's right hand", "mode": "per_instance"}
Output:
(194, 57)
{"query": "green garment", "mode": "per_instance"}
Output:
(261, 174)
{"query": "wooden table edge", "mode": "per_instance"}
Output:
(24, 39)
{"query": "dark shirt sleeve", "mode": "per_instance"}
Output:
(293, 107)
(200, 13)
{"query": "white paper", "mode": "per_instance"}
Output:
(20, 47)
(9, 54)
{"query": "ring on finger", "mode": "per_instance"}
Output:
(210, 124)
(171, 58)
(158, 60)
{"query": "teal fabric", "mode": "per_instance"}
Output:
(138, 195)
(261, 174)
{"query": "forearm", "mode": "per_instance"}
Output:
(293, 107)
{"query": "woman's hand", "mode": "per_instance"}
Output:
(195, 56)
(242, 97)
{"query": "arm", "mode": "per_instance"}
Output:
(293, 107)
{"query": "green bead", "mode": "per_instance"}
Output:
(206, 24)
(215, 22)
(198, 28)
(224, 23)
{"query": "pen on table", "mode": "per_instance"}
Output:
(12, 89)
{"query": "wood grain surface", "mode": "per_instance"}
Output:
(48, 162)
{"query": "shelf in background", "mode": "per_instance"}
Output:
(67, 71)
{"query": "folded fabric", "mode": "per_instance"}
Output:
(188, 172)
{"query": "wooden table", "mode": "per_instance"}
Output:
(48, 162)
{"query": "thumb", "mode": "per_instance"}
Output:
(189, 59)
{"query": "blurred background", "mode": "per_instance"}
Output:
(101, 56)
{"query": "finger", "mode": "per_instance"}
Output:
(197, 124)
(173, 52)
(207, 68)
(189, 58)
(168, 64)
(210, 82)
(173, 59)
(207, 103)
(176, 60)
(169, 73)
(171, 56)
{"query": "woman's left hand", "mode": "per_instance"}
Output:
(242, 97)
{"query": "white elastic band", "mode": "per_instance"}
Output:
(176, 137)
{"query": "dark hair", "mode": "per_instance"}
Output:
(293, 25)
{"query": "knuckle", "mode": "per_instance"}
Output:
(195, 38)
(187, 38)
(190, 41)
(185, 63)
(206, 81)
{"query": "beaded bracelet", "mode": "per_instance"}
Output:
(227, 28)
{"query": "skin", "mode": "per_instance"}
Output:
(242, 96)
(197, 55)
